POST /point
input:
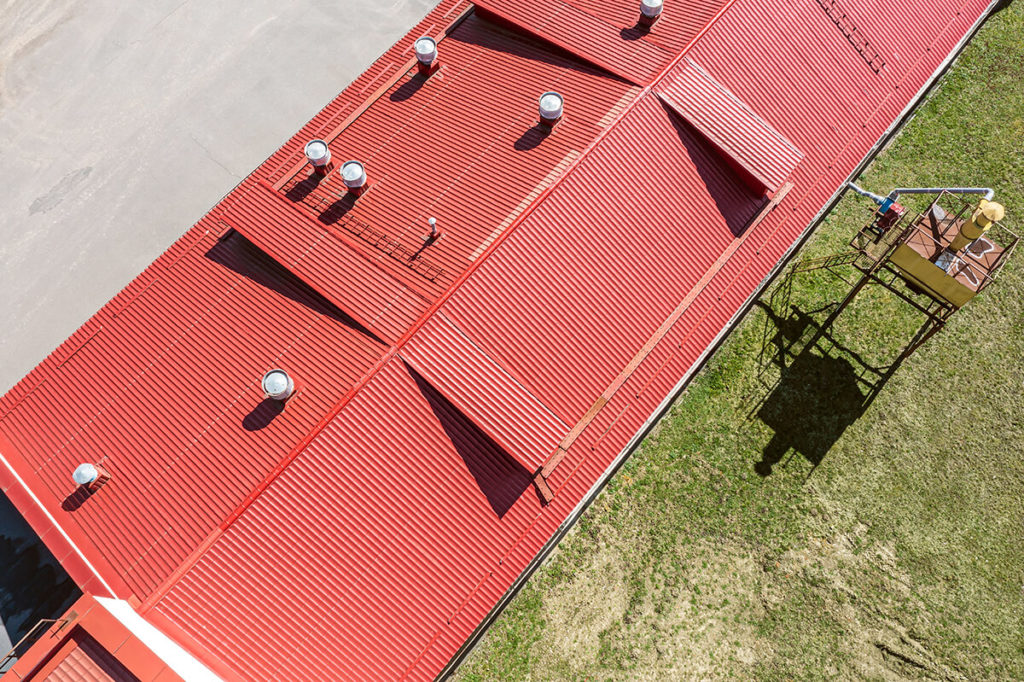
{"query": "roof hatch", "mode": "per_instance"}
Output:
(485, 392)
(759, 152)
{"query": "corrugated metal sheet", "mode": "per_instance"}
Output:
(372, 540)
(606, 34)
(89, 662)
(485, 392)
(462, 146)
(164, 390)
(608, 250)
(679, 23)
(584, 35)
(383, 544)
(329, 261)
(746, 138)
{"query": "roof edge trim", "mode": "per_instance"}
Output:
(167, 650)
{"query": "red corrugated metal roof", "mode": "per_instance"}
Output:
(602, 244)
(744, 137)
(162, 387)
(485, 391)
(462, 146)
(394, 562)
(369, 528)
(606, 33)
(325, 258)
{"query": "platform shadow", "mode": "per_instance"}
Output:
(822, 386)
(818, 396)
(500, 478)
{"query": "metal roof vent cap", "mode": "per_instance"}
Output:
(426, 55)
(319, 155)
(435, 231)
(551, 108)
(91, 476)
(354, 176)
(85, 474)
(277, 385)
(650, 10)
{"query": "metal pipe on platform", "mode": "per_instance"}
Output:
(987, 191)
(864, 193)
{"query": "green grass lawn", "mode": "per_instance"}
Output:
(819, 521)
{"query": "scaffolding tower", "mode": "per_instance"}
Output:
(936, 261)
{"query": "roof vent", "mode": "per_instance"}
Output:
(550, 108)
(426, 55)
(319, 155)
(277, 385)
(650, 10)
(354, 176)
(435, 231)
(91, 476)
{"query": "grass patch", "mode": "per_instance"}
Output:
(886, 541)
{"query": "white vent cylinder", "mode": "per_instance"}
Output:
(550, 107)
(278, 385)
(318, 153)
(85, 474)
(353, 175)
(426, 50)
(651, 9)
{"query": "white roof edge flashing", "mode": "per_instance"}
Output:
(56, 525)
(184, 664)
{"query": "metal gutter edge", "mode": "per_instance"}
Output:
(905, 116)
